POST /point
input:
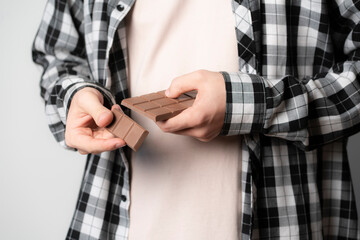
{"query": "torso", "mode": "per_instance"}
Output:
(182, 188)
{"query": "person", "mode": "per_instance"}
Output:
(277, 97)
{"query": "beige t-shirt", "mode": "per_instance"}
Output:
(182, 188)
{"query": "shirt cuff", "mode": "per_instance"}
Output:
(245, 104)
(69, 86)
(74, 88)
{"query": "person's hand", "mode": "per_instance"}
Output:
(86, 122)
(205, 118)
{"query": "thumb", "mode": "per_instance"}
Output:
(183, 84)
(92, 104)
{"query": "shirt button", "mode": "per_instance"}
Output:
(123, 198)
(120, 7)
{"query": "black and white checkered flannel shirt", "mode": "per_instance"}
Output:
(295, 99)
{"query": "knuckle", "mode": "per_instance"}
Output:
(69, 143)
(204, 136)
(174, 81)
(201, 74)
(83, 152)
(92, 150)
(199, 119)
(176, 85)
(165, 129)
(68, 139)
(205, 140)
(201, 134)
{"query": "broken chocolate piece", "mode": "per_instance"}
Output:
(127, 129)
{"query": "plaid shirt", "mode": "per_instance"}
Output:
(295, 99)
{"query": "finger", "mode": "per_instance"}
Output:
(184, 83)
(116, 106)
(82, 152)
(103, 133)
(189, 118)
(92, 104)
(89, 144)
(79, 139)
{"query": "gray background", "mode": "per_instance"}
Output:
(39, 180)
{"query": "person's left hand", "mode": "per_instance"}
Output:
(205, 118)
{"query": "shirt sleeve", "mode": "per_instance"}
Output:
(59, 47)
(309, 112)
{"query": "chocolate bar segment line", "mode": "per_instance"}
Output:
(159, 114)
(135, 137)
(157, 106)
(151, 96)
(127, 129)
(146, 106)
(164, 102)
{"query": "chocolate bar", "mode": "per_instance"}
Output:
(127, 129)
(158, 107)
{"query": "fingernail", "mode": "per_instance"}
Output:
(167, 92)
(119, 145)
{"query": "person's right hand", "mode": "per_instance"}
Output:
(86, 122)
